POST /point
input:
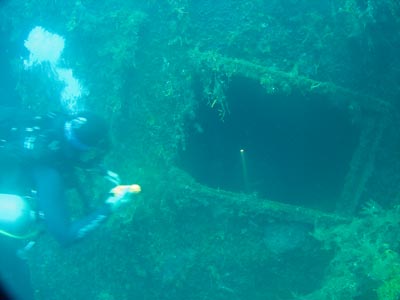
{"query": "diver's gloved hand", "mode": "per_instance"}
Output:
(112, 177)
(122, 194)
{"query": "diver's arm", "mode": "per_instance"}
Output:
(81, 186)
(52, 202)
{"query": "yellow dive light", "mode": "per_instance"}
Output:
(121, 190)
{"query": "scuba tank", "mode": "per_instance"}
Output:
(17, 219)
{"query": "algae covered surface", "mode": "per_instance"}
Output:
(264, 134)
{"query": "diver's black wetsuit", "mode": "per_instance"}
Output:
(50, 189)
(45, 164)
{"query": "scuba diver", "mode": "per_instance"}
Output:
(40, 159)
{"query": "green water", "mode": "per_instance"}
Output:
(308, 89)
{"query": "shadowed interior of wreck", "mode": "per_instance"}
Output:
(297, 148)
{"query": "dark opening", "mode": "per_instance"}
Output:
(297, 148)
